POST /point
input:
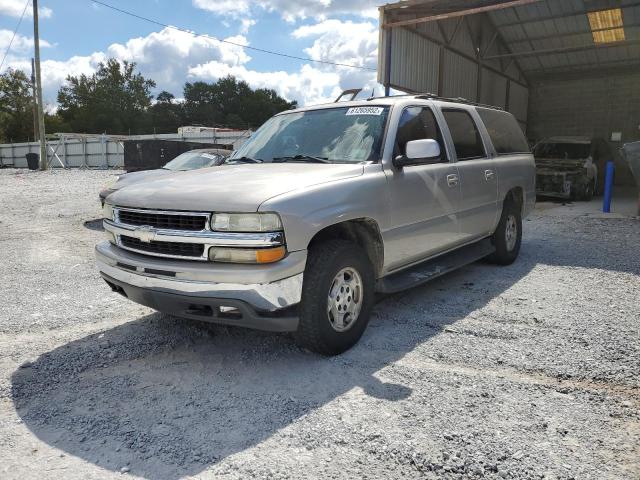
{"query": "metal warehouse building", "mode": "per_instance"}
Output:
(562, 67)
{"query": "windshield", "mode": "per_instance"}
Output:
(343, 134)
(192, 161)
(569, 151)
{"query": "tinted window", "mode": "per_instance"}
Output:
(465, 135)
(504, 131)
(418, 123)
(193, 161)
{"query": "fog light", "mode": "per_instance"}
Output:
(242, 255)
(111, 237)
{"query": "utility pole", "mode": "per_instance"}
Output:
(35, 101)
(36, 44)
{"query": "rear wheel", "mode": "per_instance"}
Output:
(508, 235)
(337, 297)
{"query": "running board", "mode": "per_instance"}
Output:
(433, 268)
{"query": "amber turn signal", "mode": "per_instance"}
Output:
(270, 255)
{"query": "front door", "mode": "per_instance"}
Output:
(478, 176)
(424, 198)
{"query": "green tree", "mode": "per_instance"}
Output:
(112, 100)
(166, 116)
(231, 103)
(16, 107)
(53, 123)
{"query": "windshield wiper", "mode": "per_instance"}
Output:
(301, 158)
(245, 160)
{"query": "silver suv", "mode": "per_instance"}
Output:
(320, 210)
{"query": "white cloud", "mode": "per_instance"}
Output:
(14, 8)
(246, 24)
(167, 55)
(171, 58)
(21, 44)
(308, 86)
(335, 41)
(292, 10)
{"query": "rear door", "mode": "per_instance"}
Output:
(478, 175)
(424, 197)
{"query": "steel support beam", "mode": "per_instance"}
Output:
(463, 55)
(459, 13)
(387, 62)
(562, 15)
(552, 51)
(571, 34)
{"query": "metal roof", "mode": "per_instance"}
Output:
(541, 36)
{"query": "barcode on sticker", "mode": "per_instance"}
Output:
(365, 111)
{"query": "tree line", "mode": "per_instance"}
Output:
(117, 100)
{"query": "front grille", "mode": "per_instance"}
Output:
(162, 220)
(163, 248)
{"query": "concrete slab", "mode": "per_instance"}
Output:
(624, 205)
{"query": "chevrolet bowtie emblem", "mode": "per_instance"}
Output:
(145, 233)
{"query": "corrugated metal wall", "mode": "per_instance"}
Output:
(460, 77)
(96, 153)
(418, 53)
(418, 67)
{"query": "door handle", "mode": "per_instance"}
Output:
(489, 174)
(452, 180)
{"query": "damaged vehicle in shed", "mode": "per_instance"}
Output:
(568, 167)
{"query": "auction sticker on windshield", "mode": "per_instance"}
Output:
(365, 111)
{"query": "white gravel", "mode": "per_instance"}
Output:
(527, 371)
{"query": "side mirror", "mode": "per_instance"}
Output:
(420, 152)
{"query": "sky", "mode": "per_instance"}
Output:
(75, 35)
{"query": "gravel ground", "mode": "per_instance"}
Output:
(526, 371)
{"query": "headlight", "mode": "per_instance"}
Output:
(245, 255)
(245, 222)
(107, 211)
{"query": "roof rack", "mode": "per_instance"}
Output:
(353, 92)
(432, 96)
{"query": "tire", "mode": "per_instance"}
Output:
(318, 330)
(506, 241)
(588, 191)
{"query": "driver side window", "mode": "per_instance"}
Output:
(418, 123)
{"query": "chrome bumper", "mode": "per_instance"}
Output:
(276, 286)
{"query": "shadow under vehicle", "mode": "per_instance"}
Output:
(170, 398)
(570, 167)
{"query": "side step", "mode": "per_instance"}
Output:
(433, 268)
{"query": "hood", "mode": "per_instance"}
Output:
(130, 178)
(234, 188)
(562, 164)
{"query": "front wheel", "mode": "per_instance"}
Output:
(508, 236)
(588, 192)
(337, 297)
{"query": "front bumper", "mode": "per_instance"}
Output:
(208, 292)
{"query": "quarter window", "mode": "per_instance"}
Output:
(465, 134)
(418, 123)
(504, 131)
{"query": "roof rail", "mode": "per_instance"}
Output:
(432, 96)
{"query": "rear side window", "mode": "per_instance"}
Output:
(465, 134)
(504, 131)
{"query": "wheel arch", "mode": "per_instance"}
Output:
(515, 195)
(364, 232)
